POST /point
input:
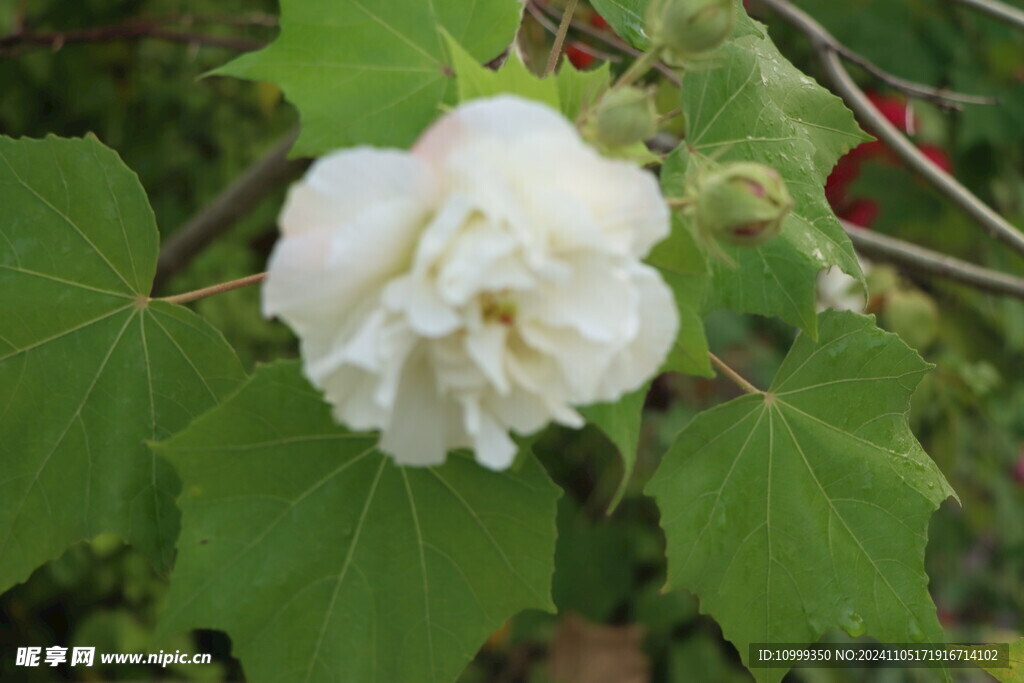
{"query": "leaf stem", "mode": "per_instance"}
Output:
(231, 204)
(733, 376)
(680, 202)
(563, 29)
(642, 65)
(186, 297)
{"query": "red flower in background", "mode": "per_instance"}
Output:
(597, 21)
(938, 156)
(579, 54)
(863, 211)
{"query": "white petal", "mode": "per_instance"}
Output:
(503, 118)
(424, 425)
(659, 324)
(494, 448)
(486, 347)
(340, 186)
(599, 302)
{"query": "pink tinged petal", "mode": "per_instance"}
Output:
(349, 227)
(659, 324)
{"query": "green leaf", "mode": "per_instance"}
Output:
(627, 17)
(685, 270)
(807, 508)
(88, 369)
(578, 90)
(325, 561)
(570, 91)
(621, 421)
(751, 104)
(1015, 672)
(373, 72)
(475, 80)
(594, 562)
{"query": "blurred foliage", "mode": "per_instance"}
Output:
(188, 137)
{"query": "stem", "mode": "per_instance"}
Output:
(945, 99)
(214, 289)
(680, 202)
(563, 28)
(607, 37)
(642, 65)
(233, 202)
(130, 30)
(668, 116)
(999, 10)
(920, 260)
(733, 375)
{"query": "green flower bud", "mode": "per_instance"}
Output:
(687, 28)
(626, 116)
(742, 203)
(912, 315)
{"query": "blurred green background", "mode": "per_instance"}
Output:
(188, 137)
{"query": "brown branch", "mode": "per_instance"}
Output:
(242, 20)
(543, 20)
(998, 10)
(563, 29)
(822, 44)
(940, 97)
(234, 202)
(606, 37)
(130, 30)
(920, 260)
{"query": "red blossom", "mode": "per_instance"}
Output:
(938, 156)
(579, 55)
(862, 212)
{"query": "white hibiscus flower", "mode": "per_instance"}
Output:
(489, 280)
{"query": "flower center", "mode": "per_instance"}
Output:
(498, 307)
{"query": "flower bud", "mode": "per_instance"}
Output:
(912, 315)
(742, 203)
(690, 27)
(626, 116)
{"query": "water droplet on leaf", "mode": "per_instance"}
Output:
(852, 623)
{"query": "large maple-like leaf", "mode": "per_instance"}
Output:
(323, 560)
(373, 72)
(89, 367)
(806, 507)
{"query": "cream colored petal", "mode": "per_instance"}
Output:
(424, 424)
(659, 324)
(342, 185)
(598, 301)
